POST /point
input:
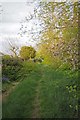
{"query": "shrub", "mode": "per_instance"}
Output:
(27, 52)
(11, 67)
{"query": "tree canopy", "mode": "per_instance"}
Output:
(27, 52)
(59, 37)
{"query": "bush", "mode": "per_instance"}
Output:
(10, 61)
(11, 67)
(38, 60)
(27, 52)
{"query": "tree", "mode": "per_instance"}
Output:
(60, 33)
(13, 48)
(27, 52)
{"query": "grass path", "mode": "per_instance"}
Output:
(36, 111)
(21, 98)
(42, 94)
(9, 90)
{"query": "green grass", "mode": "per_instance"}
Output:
(56, 100)
(57, 93)
(20, 102)
(6, 86)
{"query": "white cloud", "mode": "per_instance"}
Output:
(16, 1)
(8, 28)
(15, 12)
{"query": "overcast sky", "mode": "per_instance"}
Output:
(12, 15)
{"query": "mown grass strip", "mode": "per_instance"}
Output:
(19, 104)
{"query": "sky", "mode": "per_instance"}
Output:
(10, 22)
(12, 14)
